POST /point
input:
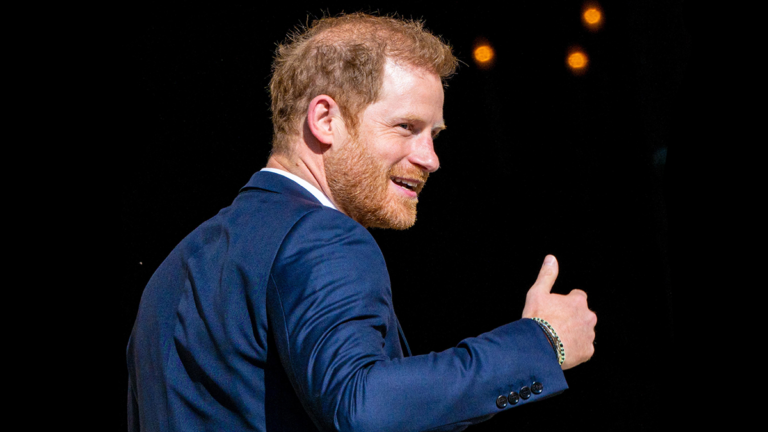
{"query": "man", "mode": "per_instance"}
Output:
(276, 314)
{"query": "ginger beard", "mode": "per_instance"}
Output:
(361, 187)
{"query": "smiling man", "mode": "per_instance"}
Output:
(374, 172)
(277, 315)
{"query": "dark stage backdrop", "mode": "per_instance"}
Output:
(536, 160)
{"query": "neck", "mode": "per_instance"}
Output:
(310, 169)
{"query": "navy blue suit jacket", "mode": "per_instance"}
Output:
(276, 315)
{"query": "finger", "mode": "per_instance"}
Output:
(547, 275)
(578, 292)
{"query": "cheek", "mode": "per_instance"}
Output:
(387, 148)
(393, 153)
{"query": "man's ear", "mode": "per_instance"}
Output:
(323, 115)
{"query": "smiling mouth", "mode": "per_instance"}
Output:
(411, 185)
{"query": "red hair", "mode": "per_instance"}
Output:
(343, 57)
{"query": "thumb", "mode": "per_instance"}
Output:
(547, 275)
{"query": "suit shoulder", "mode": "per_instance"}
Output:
(330, 243)
(327, 226)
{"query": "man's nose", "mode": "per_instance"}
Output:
(423, 154)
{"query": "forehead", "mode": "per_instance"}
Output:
(409, 91)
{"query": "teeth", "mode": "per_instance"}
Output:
(409, 184)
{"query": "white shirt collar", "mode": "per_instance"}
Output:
(305, 184)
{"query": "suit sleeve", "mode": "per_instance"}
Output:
(329, 306)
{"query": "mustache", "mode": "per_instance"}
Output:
(412, 173)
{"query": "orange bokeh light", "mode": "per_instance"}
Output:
(577, 61)
(592, 16)
(483, 54)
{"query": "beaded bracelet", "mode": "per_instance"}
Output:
(553, 338)
(548, 334)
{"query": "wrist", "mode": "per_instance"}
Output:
(553, 339)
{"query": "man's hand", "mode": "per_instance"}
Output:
(568, 314)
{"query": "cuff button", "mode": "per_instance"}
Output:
(501, 401)
(513, 398)
(537, 387)
(525, 392)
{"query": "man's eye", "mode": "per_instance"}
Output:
(405, 126)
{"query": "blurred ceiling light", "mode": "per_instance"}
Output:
(592, 16)
(577, 61)
(483, 54)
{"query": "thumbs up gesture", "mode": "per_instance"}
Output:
(568, 314)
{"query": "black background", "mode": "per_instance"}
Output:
(535, 160)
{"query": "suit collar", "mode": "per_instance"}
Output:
(279, 184)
